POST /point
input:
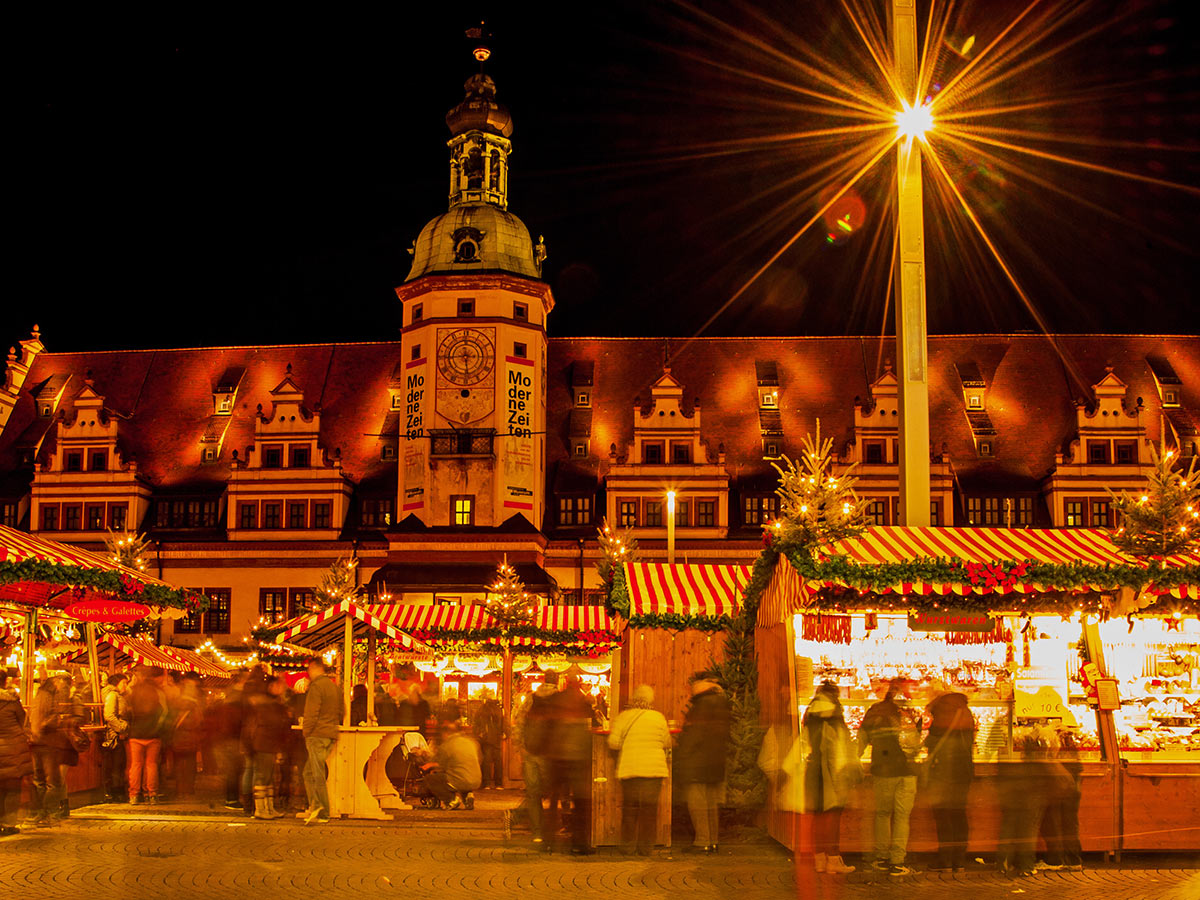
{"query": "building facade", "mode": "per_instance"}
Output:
(477, 435)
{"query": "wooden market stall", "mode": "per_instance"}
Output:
(1008, 617)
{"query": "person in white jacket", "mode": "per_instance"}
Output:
(641, 735)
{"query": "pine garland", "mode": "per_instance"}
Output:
(116, 583)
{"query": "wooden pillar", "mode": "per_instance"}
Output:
(93, 657)
(347, 669)
(372, 637)
(614, 685)
(29, 652)
(506, 700)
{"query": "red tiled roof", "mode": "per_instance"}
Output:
(164, 397)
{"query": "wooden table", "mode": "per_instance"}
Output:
(358, 785)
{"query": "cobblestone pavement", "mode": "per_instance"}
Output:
(110, 853)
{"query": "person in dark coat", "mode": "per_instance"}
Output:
(413, 710)
(951, 766)
(51, 746)
(16, 759)
(265, 733)
(489, 729)
(569, 754)
(358, 705)
(385, 707)
(703, 749)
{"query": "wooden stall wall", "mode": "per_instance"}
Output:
(771, 648)
(665, 660)
(1160, 806)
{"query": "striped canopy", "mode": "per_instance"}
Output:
(422, 619)
(140, 651)
(196, 662)
(19, 546)
(698, 590)
(327, 627)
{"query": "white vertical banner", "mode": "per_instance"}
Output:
(414, 438)
(520, 403)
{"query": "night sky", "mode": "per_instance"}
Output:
(226, 178)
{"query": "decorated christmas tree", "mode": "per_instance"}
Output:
(128, 549)
(1162, 519)
(616, 548)
(816, 504)
(337, 584)
(510, 604)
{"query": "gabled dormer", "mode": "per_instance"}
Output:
(287, 436)
(87, 438)
(225, 397)
(770, 420)
(665, 432)
(877, 422)
(15, 371)
(974, 394)
(1170, 385)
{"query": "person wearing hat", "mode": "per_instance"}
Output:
(700, 760)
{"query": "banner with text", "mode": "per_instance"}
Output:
(414, 440)
(520, 401)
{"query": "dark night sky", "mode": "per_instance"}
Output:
(219, 179)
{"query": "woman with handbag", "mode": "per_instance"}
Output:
(115, 696)
(16, 760)
(830, 774)
(641, 737)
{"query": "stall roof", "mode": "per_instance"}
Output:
(326, 627)
(421, 618)
(686, 589)
(468, 577)
(197, 663)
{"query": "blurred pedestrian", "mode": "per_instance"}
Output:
(831, 772)
(703, 748)
(113, 759)
(227, 719)
(458, 768)
(49, 743)
(532, 724)
(1060, 828)
(16, 759)
(886, 730)
(147, 721)
(358, 705)
(386, 713)
(413, 710)
(265, 732)
(489, 728)
(641, 737)
(187, 720)
(951, 768)
(569, 752)
(322, 716)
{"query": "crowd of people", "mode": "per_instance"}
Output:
(1039, 791)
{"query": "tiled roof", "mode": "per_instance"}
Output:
(164, 397)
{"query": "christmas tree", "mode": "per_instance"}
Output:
(1161, 520)
(338, 583)
(616, 549)
(510, 604)
(816, 504)
(127, 549)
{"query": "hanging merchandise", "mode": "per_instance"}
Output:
(432, 666)
(594, 668)
(827, 629)
(522, 664)
(998, 635)
(473, 665)
(554, 665)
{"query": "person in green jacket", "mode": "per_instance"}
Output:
(322, 716)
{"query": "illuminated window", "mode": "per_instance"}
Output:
(190, 623)
(1023, 515)
(706, 513)
(1073, 514)
(654, 514)
(216, 617)
(116, 516)
(322, 515)
(974, 402)
(770, 400)
(272, 514)
(759, 509)
(8, 514)
(272, 604)
(974, 510)
(94, 515)
(301, 601)
(375, 512)
(935, 512)
(628, 513)
(574, 510)
(993, 511)
(682, 513)
(463, 509)
(877, 512)
(1101, 513)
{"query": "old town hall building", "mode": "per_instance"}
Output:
(478, 435)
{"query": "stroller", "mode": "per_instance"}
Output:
(409, 783)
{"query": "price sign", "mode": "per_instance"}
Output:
(1045, 703)
(1107, 695)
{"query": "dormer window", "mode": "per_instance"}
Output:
(770, 399)
(98, 461)
(225, 406)
(583, 399)
(581, 449)
(47, 410)
(974, 401)
(299, 457)
(985, 448)
(73, 461)
(1170, 397)
(397, 401)
(209, 454)
(388, 452)
(272, 457)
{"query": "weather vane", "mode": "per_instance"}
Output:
(480, 49)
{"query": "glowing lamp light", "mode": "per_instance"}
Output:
(671, 502)
(914, 121)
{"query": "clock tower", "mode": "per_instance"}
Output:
(473, 345)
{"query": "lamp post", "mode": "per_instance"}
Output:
(911, 346)
(671, 527)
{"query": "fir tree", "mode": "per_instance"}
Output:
(616, 549)
(127, 549)
(816, 504)
(510, 604)
(337, 583)
(1162, 519)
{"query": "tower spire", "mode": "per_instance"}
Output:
(480, 129)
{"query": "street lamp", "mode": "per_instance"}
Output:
(911, 347)
(671, 527)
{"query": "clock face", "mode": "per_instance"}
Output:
(466, 357)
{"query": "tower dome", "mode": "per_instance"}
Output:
(477, 234)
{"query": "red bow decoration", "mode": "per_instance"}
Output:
(994, 576)
(131, 585)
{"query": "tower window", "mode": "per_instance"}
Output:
(416, 351)
(466, 306)
(521, 312)
(463, 507)
(581, 448)
(418, 312)
(521, 351)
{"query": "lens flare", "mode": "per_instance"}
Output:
(914, 121)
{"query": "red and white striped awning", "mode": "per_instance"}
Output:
(197, 663)
(327, 627)
(686, 589)
(421, 619)
(144, 652)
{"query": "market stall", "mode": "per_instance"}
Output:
(1011, 618)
